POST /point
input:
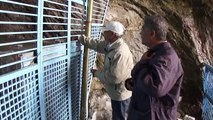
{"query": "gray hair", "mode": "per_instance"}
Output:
(158, 24)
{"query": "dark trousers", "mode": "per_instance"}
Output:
(119, 109)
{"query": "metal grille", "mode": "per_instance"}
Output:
(19, 97)
(40, 58)
(76, 78)
(208, 93)
(56, 90)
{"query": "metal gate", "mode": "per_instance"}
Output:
(208, 93)
(40, 58)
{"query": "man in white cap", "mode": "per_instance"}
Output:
(118, 64)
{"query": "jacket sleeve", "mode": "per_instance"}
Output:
(118, 72)
(159, 77)
(95, 44)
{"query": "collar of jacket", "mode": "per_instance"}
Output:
(114, 45)
(159, 46)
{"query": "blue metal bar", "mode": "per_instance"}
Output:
(17, 13)
(57, 10)
(107, 3)
(77, 12)
(97, 11)
(97, 15)
(47, 23)
(76, 7)
(101, 4)
(46, 63)
(55, 52)
(18, 52)
(16, 33)
(15, 74)
(19, 3)
(56, 3)
(78, 1)
(17, 23)
(19, 42)
(54, 30)
(98, 7)
(52, 38)
(55, 45)
(52, 16)
(17, 62)
(68, 58)
(40, 57)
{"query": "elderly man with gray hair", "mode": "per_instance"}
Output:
(156, 78)
(118, 64)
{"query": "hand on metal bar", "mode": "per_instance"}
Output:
(93, 71)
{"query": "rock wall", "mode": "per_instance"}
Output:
(190, 33)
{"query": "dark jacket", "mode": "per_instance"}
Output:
(157, 84)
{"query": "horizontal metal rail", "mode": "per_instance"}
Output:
(54, 31)
(55, 45)
(98, 7)
(56, 3)
(18, 3)
(17, 23)
(54, 9)
(15, 74)
(52, 38)
(17, 62)
(98, 15)
(101, 4)
(77, 12)
(77, 8)
(16, 33)
(52, 16)
(18, 13)
(101, 1)
(48, 23)
(19, 42)
(18, 52)
(55, 52)
(101, 12)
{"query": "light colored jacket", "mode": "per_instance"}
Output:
(118, 64)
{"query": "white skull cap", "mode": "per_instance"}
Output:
(115, 27)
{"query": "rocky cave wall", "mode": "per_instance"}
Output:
(190, 33)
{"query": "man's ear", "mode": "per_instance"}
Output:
(152, 34)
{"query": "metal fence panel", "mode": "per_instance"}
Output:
(41, 60)
(19, 96)
(208, 93)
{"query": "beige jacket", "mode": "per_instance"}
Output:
(118, 64)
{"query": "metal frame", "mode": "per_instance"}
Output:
(47, 84)
(208, 93)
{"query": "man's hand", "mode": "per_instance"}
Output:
(93, 71)
(129, 84)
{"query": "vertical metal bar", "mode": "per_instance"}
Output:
(40, 57)
(86, 62)
(69, 59)
(105, 11)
